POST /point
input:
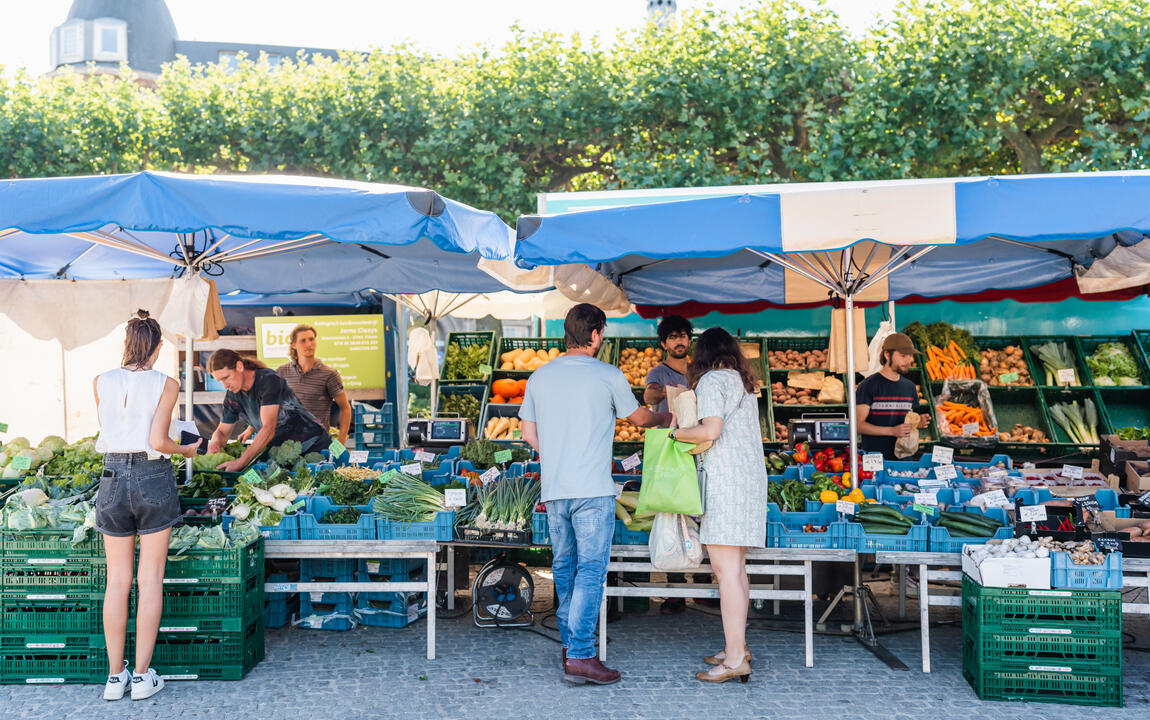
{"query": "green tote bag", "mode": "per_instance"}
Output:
(670, 481)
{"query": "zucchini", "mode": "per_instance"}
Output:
(972, 518)
(786, 458)
(882, 512)
(881, 528)
(967, 529)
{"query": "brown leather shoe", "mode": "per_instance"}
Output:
(588, 670)
(564, 657)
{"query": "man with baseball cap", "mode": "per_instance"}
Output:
(886, 397)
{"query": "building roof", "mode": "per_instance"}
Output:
(151, 30)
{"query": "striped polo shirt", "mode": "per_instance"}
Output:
(316, 389)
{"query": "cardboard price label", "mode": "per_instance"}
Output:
(872, 462)
(846, 507)
(941, 454)
(997, 473)
(3, 427)
(424, 456)
(996, 498)
(945, 472)
(932, 485)
(454, 497)
(631, 462)
(969, 429)
(21, 463)
(411, 469)
(336, 449)
(358, 457)
(1032, 513)
(252, 477)
(502, 456)
(1066, 376)
(1007, 378)
(924, 509)
(1072, 471)
(925, 498)
(485, 369)
(490, 476)
(387, 476)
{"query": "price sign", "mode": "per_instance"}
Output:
(411, 469)
(969, 429)
(490, 476)
(846, 507)
(296, 506)
(618, 490)
(996, 498)
(996, 473)
(872, 462)
(21, 463)
(358, 457)
(502, 456)
(387, 476)
(250, 477)
(1088, 503)
(942, 454)
(925, 498)
(1007, 378)
(1032, 513)
(424, 456)
(1144, 498)
(367, 437)
(1072, 471)
(336, 449)
(945, 472)
(3, 427)
(485, 369)
(1066, 376)
(631, 462)
(924, 509)
(454, 497)
(1108, 544)
(516, 434)
(932, 485)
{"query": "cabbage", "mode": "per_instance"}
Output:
(45, 454)
(4, 457)
(12, 473)
(53, 442)
(17, 443)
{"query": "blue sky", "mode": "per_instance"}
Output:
(440, 26)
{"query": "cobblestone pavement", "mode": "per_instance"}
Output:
(371, 673)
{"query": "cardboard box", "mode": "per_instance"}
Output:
(1031, 573)
(1137, 476)
(1109, 523)
(1115, 453)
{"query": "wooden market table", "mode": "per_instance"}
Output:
(354, 550)
(770, 561)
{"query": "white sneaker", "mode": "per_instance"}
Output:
(146, 685)
(117, 685)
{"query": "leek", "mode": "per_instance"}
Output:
(1055, 356)
(1079, 427)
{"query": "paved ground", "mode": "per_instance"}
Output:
(483, 673)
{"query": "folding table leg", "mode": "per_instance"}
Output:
(431, 588)
(808, 614)
(924, 614)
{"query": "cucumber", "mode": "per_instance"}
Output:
(967, 530)
(787, 459)
(883, 512)
(885, 528)
(972, 518)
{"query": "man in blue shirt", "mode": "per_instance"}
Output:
(568, 415)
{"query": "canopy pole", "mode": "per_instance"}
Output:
(189, 391)
(890, 313)
(402, 379)
(852, 410)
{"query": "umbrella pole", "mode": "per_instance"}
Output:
(189, 391)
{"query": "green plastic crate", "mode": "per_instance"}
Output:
(479, 392)
(1036, 364)
(1021, 406)
(1090, 344)
(1084, 612)
(49, 544)
(467, 339)
(52, 575)
(534, 343)
(1000, 343)
(52, 642)
(1053, 687)
(37, 667)
(1125, 407)
(1050, 396)
(1034, 652)
(215, 648)
(80, 614)
(235, 564)
(202, 604)
(801, 344)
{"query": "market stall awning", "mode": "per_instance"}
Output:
(927, 238)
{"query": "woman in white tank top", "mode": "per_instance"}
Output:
(137, 497)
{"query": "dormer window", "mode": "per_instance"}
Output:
(68, 43)
(110, 38)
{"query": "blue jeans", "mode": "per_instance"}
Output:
(581, 531)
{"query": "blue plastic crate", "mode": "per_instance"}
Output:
(839, 535)
(946, 496)
(400, 611)
(942, 542)
(1065, 574)
(623, 536)
(338, 615)
(1107, 499)
(540, 533)
(288, 529)
(326, 569)
(276, 612)
(392, 567)
(442, 528)
(917, 539)
(825, 515)
(412, 575)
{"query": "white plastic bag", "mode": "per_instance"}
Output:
(674, 543)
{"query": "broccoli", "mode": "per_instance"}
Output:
(286, 454)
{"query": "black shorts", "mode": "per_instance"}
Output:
(137, 495)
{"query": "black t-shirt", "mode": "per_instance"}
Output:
(889, 403)
(294, 421)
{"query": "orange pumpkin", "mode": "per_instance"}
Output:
(505, 387)
(498, 399)
(522, 387)
(517, 400)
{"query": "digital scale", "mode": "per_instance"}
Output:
(819, 430)
(436, 432)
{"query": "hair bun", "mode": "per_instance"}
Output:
(143, 314)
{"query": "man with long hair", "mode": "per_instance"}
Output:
(316, 385)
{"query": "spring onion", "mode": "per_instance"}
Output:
(404, 498)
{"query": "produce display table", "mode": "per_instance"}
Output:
(636, 558)
(356, 549)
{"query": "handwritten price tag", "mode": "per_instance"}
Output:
(252, 477)
(490, 476)
(1032, 513)
(1066, 376)
(618, 490)
(872, 462)
(3, 427)
(423, 456)
(502, 456)
(996, 498)
(336, 449)
(846, 507)
(1144, 498)
(411, 469)
(932, 485)
(1072, 471)
(1109, 544)
(358, 457)
(631, 462)
(1007, 378)
(945, 472)
(454, 497)
(969, 429)
(997, 473)
(21, 463)
(485, 369)
(924, 509)
(1087, 503)
(925, 498)
(942, 454)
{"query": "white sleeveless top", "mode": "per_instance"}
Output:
(128, 402)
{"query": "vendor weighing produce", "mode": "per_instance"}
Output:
(266, 402)
(675, 340)
(885, 398)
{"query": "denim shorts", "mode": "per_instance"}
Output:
(137, 495)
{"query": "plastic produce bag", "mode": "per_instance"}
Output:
(683, 403)
(967, 392)
(670, 480)
(674, 543)
(904, 447)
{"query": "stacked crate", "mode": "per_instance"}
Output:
(391, 609)
(374, 429)
(1062, 646)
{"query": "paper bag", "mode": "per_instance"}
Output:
(684, 404)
